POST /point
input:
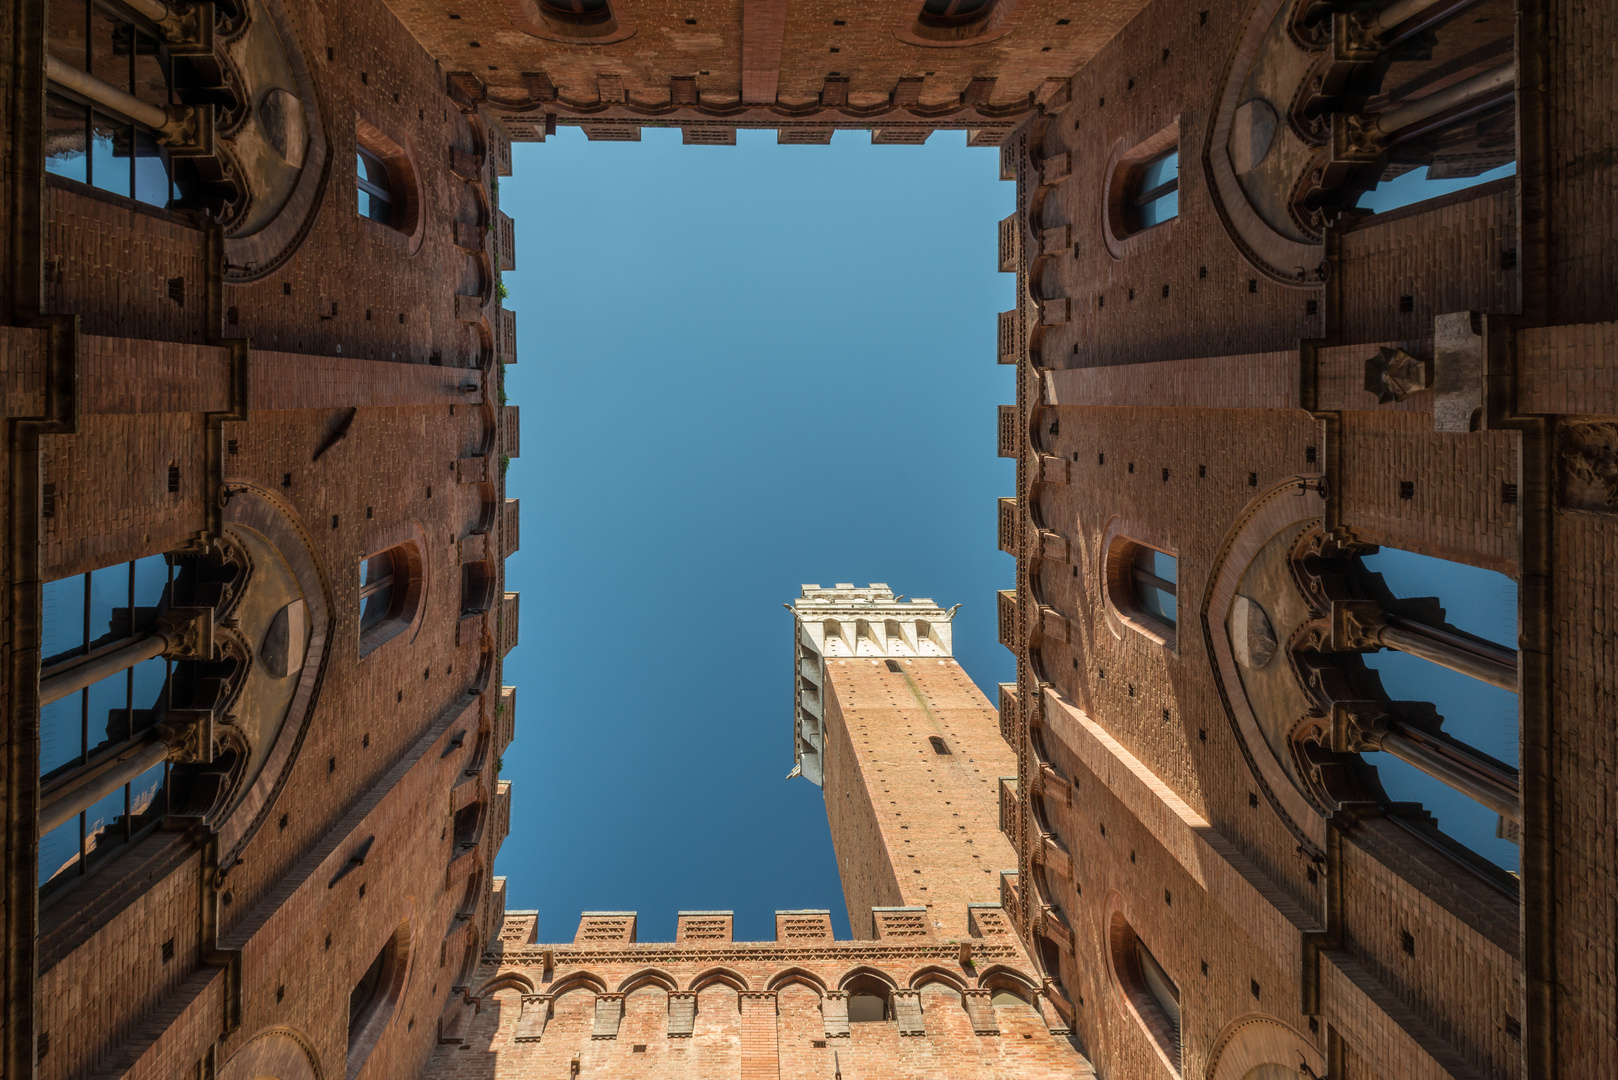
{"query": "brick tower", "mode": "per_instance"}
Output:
(907, 751)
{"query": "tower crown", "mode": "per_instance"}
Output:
(850, 621)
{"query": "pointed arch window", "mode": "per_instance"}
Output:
(103, 689)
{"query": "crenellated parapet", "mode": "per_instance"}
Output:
(803, 1004)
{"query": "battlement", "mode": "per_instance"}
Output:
(846, 621)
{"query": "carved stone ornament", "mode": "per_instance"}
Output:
(189, 633)
(189, 735)
(1393, 375)
(1356, 625)
(1587, 460)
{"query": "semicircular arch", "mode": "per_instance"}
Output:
(1251, 1042)
(281, 1052)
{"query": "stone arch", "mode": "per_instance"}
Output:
(1290, 503)
(255, 249)
(579, 980)
(934, 974)
(1000, 977)
(782, 979)
(264, 512)
(278, 1052)
(1257, 1039)
(506, 980)
(719, 976)
(864, 971)
(649, 977)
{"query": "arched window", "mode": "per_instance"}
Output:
(1456, 651)
(939, 746)
(1150, 994)
(951, 13)
(868, 1000)
(103, 689)
(1154, 192)
(1143, 586)
(375, 187)
(375, 994)
(390, 590)
(577, 11)
(385, 180)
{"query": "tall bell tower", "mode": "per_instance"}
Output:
(906, 750)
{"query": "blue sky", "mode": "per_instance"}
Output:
(740, 369)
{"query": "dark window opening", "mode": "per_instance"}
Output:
(939, 746)
(367, 990)
(577, 11)
(866, 1009)
(945, 13)
(390, 590)
(893, 666)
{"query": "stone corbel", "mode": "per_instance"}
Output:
(1357, 625)
(187, 633)
(1357, 726)
(187, 28)
(536, 1011)
(834, 1013)
(189, 735)
(980, 1010)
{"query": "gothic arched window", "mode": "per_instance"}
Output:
(1148, 989)
(103, 689)
(108, 92)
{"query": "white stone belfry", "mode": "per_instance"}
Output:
(847, 621)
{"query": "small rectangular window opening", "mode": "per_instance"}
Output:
(893, 666)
